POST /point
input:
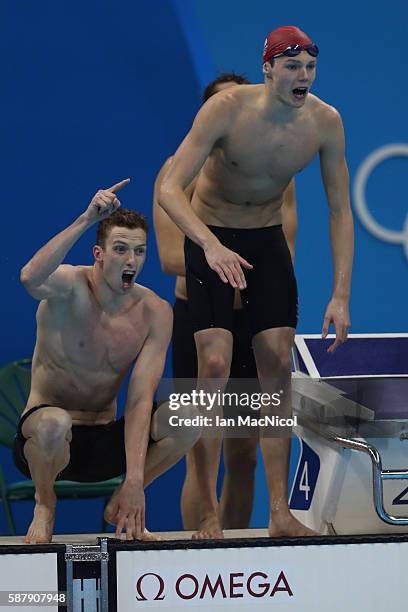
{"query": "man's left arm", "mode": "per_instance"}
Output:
(336, 183)
(142, 386)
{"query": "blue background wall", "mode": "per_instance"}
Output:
(94, 92)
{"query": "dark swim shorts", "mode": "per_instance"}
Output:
(270, 298)
(97, 452)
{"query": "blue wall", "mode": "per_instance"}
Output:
(93, 92)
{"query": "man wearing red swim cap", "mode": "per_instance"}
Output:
(240, 454)
(283, 38)
(249, 142)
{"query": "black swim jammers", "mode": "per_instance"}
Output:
(97, 452)
(270, 298)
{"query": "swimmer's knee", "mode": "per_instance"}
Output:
(273, 352)
(284, 363)
(240, 459)
(53, 427)
(277, 362)
(216, 366)
(191, 433)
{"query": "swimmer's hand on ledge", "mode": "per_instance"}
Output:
(337, 312)
(227, 264)
(128, 511)
(104, 203)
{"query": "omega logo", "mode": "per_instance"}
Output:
(160, 588)
(360, 204)
(228, 586)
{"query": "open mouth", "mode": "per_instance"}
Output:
(300, 93)
(127, 279)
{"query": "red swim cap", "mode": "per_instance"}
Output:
(280, 39)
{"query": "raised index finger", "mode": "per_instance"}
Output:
(118, 186)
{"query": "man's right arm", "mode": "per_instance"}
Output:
(43, 276)
(169, 237)
(210, 125)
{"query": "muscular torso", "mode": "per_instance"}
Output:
(243, 180)
(83, 353)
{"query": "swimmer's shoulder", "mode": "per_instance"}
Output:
(237, 97)
(189, 190)
(223, 105)
(326, 113)
(83, 277)
(152, 302)
(157, 312)
(78, 276)
(79, 290)
(81, 286)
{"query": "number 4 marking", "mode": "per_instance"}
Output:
(304, 482)
(398, 501)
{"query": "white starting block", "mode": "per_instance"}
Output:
(352, 408)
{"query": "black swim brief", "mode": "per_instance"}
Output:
(97, 452)
(270, 298)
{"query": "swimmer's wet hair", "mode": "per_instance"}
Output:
(122, 217)
(226, 77)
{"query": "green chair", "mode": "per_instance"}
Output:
(15, 380)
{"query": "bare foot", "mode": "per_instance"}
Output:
(150, 537)
(210, 529)
(147, 536)
(287, 525)
(41, 528)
